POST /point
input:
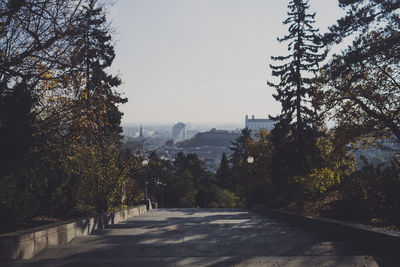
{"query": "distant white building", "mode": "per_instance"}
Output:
(179, 132)
(255, 125)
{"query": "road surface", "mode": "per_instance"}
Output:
(202, 237)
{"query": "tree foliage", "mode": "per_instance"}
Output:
(298, 126)
(60, 127)
(358, 91)
(360, 86)
(294, 90)
(223, 172)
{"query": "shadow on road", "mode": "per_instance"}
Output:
(204, 237)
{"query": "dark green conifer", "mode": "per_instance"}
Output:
(223, 172)
(295, 70)
(238, 157)
(92, 55)
(295, 133)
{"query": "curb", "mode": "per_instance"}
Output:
(26, 244)
(377, 241)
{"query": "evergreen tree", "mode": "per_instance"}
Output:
(363, 16)
(239, 159)
(296, 128)
(223, 173)
(92, 55)
(295, 71)
(180, 163)
(17, 126)
(239, 147)
(17, 142)
(95, 122)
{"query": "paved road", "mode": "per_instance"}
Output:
(202, 237)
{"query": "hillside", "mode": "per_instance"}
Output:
(211, 138)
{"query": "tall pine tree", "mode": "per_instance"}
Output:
(223, 172)
(295, 132)
(238, 158)
(93, 54)
(295, 70)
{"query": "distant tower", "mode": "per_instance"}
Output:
(179, 132)
(141, 131)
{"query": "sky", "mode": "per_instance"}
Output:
(201, 61)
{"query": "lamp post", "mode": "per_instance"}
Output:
(250, 160)
(163, 196)
(144, 164)
(163, 184)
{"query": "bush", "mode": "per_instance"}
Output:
(373, 191)
(227, 199)
(82, 210)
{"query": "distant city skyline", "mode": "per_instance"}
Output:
(190, 126)
(200, 61)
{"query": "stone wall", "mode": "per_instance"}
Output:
(26, 244)
(374, 240)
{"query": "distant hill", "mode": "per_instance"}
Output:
(211, 138)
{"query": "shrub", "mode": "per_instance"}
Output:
(227, 199)
(373, 191)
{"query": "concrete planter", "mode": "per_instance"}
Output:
(377, 241)
(26, 244)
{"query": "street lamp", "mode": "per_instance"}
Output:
(144, 164)
(163, 184)
(250, 160)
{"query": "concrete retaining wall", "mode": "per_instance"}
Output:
(26, 244)
(377, 241)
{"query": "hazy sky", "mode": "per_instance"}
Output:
(201, 60)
